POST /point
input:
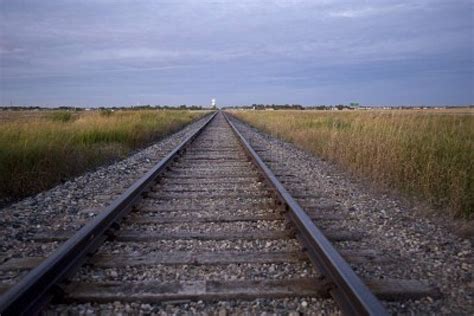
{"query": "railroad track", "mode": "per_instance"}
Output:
(209, 222)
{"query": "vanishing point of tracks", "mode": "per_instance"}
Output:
(213, 189)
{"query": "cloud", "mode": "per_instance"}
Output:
(200, 46)
(366, 11)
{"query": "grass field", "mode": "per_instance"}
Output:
(40, 149)
(427, 154)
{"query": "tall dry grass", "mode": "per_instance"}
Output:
(427, 154)
(40, 150)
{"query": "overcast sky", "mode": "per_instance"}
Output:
(104, 52)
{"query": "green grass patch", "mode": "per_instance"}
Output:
(424, 154)
(38, 151)
(61, 116)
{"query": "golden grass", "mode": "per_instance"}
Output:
(428, 154)
(41, 149)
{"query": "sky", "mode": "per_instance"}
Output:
(114, 53)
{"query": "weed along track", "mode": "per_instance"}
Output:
(209, 223)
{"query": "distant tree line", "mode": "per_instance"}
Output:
(160, 107)
(254, 106)
(292, 107)
(102, 108)
(351, 106)
(268, 106)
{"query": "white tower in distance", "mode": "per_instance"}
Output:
(213, 103)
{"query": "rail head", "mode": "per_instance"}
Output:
(34, 291)
(352, 295)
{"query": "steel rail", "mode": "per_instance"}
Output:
(37, 288)
(348, 290)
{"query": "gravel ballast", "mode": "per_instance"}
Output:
(200, 195)
(286, 306)
(70, 205)
(420, 246)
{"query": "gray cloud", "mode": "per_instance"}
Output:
(111, 52)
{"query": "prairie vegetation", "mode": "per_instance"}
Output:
(41, 149)
(426, 154)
